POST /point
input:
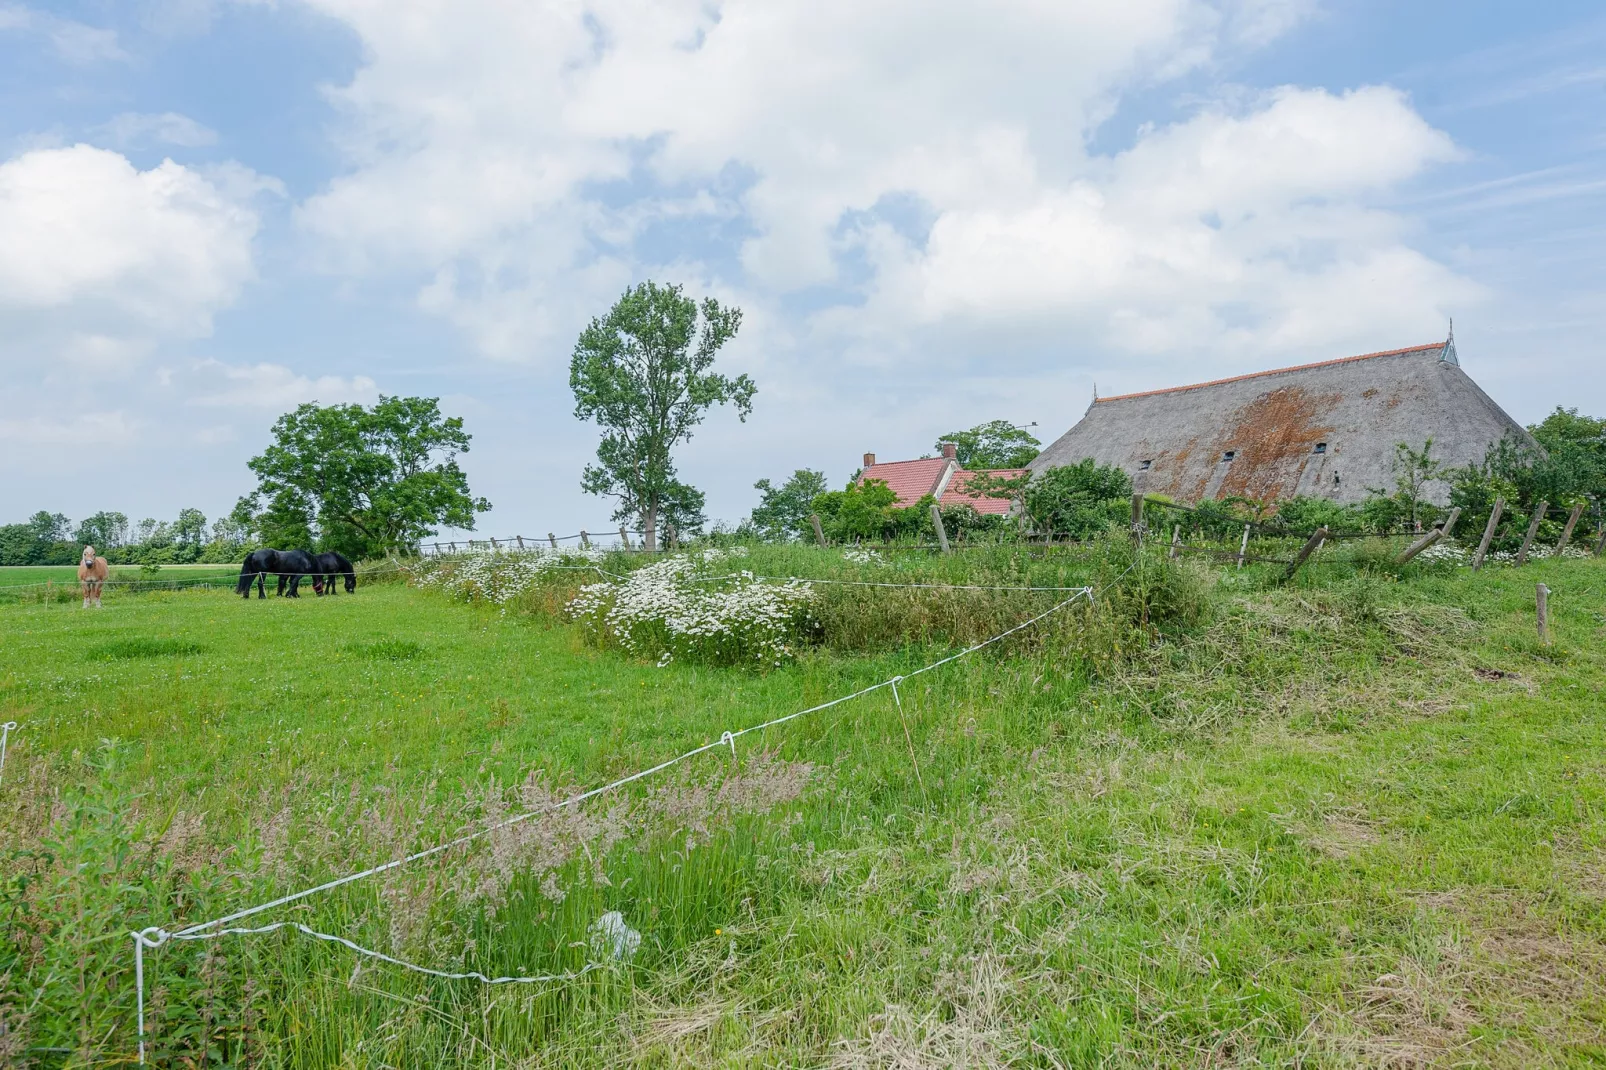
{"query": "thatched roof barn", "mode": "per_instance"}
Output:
(1327, 429)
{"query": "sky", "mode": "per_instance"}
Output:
(932, 214)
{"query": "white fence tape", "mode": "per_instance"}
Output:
(5, 735)
(155, 936)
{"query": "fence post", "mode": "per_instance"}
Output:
(553, 539)
(1430, 538)
(1137, 518)
(493, 543)
(521, 541)
(585, 540)
(1488, 532)
(1312, 544)
(673, 536)
(819, 536)
(1567, 532)
(1601, 543)
(942, 534)
(1542, 605)
(1243, 547)
(624, 538)
(1176, 540)
(437, 549)
(453, 546)
(1533, 529)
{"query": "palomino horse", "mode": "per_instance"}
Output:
(91, 574)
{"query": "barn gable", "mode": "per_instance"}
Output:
(1326, 430)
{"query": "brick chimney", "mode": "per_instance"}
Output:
(869, 460)
(949, 450)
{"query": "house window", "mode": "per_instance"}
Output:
(1229, 455)
(1321, 447)
(1143, 466)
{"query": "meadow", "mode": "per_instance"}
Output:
(1208, 819)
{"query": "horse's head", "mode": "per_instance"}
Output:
(89, 556)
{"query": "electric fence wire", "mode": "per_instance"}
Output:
(155, 936)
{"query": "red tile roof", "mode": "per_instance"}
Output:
(1273, 371)
(909, 480)
(955, 494)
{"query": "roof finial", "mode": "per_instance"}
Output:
(1448, 356)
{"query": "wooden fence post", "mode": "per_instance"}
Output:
(942, 534)
(1243, 547)
(1430, 538)
(453, 545)
(520, 538)
(553, 539)
(1137, 517)
(1601, 543)
(585, 540)
(624, 537)
(1488, 532)
(1176, 541)
(674, 536)
(1567, 532)
(1312, 544)
(1533, 529)
(1542, 605)
(493, 543)
(437, 549)
(819, 536)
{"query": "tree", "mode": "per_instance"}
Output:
(995, 444)
(1413, 471)
(783, 512)
(370, 480)
(642, 373)
(103, 531)
(1078, 499)
(190, 527)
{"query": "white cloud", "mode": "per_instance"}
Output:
(86, 429)
(76, 42)
(167, 128)
(102, 262)
(273, 386)
(520, 156)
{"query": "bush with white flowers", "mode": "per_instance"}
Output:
(691, 607)
(498, 576)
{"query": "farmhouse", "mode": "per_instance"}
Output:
(940, 477)
(1326, 430)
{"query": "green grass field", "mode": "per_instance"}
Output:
(1355, 821)
(66, 576)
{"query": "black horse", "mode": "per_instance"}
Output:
(288, 565)
(330, 565)
(258, 564)
(294, 564)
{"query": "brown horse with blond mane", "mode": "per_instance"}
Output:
(92, 572)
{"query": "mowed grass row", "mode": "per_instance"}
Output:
(1347, 823)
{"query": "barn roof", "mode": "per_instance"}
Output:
(911, 480)
(1326, 429)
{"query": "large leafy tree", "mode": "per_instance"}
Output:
(371, 480)
(995, 444)
(783, 512)
(104, 530)
(643, 373)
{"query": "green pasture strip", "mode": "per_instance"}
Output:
(67, 575)
(1356, 821)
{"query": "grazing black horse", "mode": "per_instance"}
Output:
(294, 564)
(258, 564)
(288, 565)
(330, 565)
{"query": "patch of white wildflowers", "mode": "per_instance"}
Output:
(499, 576)
(863, 557)
(662, 611)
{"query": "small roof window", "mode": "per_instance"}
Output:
(1143, 466)
(1321, 447)
(1229, 455)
